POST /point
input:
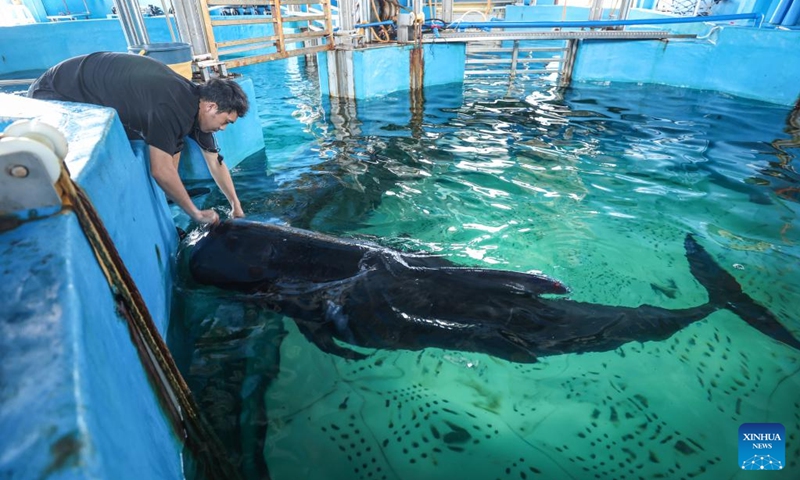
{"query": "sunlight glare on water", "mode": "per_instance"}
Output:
(596, 186)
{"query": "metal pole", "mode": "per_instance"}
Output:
(514, 56)
(447, 11)
(169, 22)
(624, 9)
(346, 20)
(596, 11)
(137, 15)
(128, 27)
(190, 25)
(570, 52)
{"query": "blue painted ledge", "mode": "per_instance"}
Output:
(74, 399)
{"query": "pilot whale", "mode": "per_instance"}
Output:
(371, 296)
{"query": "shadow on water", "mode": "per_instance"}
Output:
(229, 351)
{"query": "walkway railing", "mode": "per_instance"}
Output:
(292, 27)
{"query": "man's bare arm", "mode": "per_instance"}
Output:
(221, 175)
(164, 169)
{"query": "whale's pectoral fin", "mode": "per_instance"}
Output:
(322, 338)
(520, 350)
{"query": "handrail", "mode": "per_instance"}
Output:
(756, 17)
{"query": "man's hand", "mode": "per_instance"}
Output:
(206, 216)
(237, 212)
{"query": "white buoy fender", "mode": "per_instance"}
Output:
(52, 164)
(31, 133)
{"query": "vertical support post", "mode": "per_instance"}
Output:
(447, 11)
(130, 17)
(346, 14)
(326, 8)
(514, 56)
(596, 10)
(276, 14)
(125, 20)
(624, 9)
(570, 52)
(341, 82)
(190, 25)
(137, 16)
(168, 17)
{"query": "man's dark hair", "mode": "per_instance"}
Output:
(227, 94)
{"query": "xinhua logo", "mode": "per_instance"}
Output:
(762, 446)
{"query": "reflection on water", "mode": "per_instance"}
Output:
(595, 186)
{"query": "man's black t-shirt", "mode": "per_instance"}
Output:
(153, 102)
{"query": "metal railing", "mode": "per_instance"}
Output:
(290, 28)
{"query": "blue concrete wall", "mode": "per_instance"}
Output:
(762, 64)
(753, 63)
(37, 47)
(95, 8)
(76, 402)
(379, 71)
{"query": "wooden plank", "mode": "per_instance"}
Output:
(212, 47)
(278, 40)
(305, 35)
(243, 21)
(247, 48)
(246, 41)
(326, 9)
(302, 18)
(276, 13)
(241, 62)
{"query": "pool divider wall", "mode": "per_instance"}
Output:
(749, 62)
(76, 401)
(379, 71)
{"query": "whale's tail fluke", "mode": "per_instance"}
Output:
(725, 292)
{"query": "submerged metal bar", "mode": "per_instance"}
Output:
(565, 78)
(514, 55)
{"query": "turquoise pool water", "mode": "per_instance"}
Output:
(596, 186)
